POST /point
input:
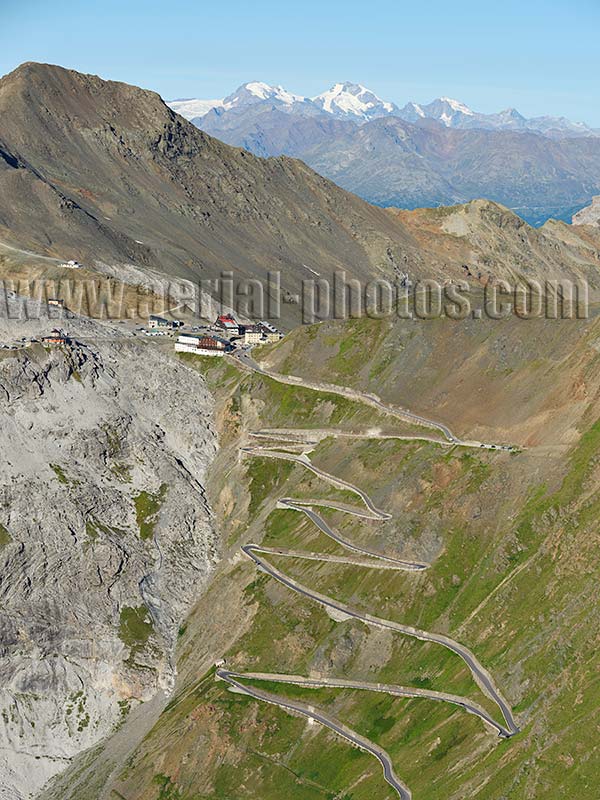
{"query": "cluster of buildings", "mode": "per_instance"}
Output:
(223, 336)
(257, 333)
(228, 335)
(56, 336)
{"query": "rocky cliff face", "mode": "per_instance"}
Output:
(105, 538)
(590, 215)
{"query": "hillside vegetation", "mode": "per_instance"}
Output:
(513, 547)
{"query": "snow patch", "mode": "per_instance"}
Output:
(192, 108)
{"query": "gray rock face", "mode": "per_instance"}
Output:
(105, 538)
(590, 215)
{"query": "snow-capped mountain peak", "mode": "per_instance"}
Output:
(261, 90)
(448, 111)
(344, 100)
(257, 91)
(457, 106)
(412, 112)
(353, 100)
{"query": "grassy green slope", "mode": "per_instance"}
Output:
(513, 545)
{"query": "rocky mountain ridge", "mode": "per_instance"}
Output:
(590, 215)
(105, 172)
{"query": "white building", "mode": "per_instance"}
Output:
(189, 338)
(201, 345)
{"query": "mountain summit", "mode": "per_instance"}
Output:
(444, 109)
(353, 100)
(257, 91)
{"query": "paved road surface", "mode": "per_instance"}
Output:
(343, 611)
(244, 358)
(295, 706)
(268, 452)
(385, 688)
(315, 435)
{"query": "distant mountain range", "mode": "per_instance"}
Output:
(434, 154)
(352, 101)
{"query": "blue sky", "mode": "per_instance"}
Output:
(541, 57)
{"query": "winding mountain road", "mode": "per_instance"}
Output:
(343, 611)
(245, 360)
(385, 688)
(270, 452)
(297, 707)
